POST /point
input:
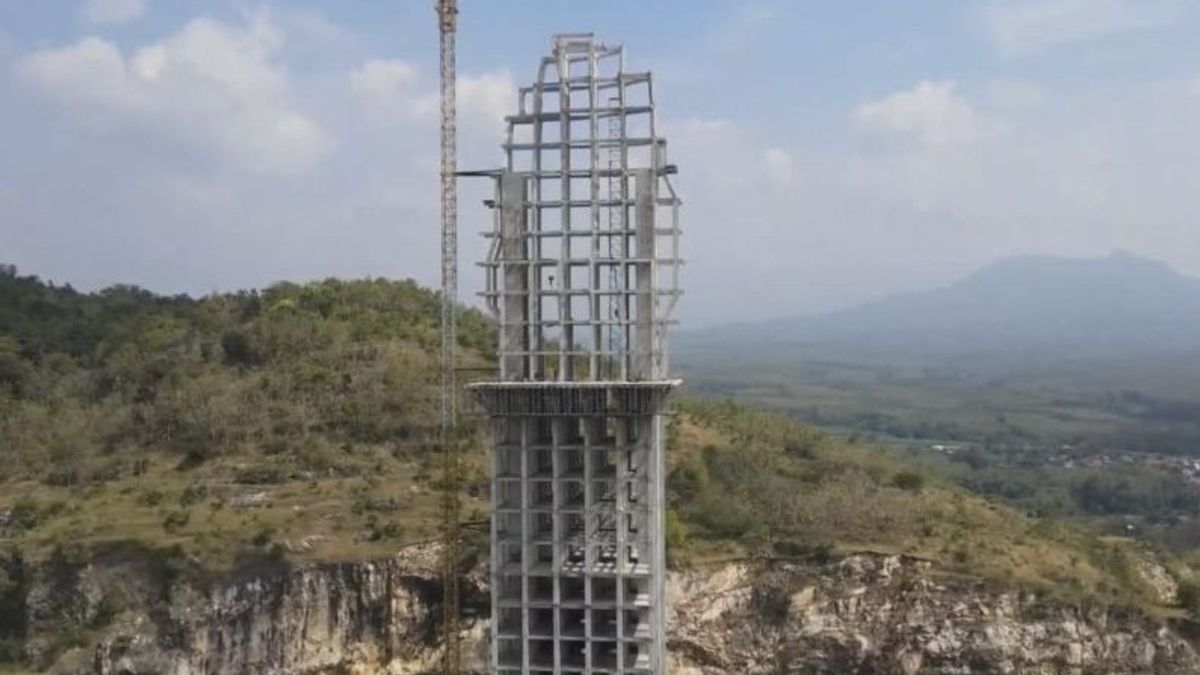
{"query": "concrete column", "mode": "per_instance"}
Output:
(556, 516)
(514, 305)
(645, 190)
(526, 528)
(620, 484)
(499, 432)
(595, 438)
(654, 431)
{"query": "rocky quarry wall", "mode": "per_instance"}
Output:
(860, 614)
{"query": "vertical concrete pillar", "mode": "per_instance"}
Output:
(526, 439)
(656, 523)
(514, 305)
(645, 182)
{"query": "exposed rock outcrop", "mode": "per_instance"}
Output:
(365, 618)
(873, 614)
(862, 614)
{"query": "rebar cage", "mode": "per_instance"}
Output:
(583, 267)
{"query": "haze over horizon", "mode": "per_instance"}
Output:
(191, 147)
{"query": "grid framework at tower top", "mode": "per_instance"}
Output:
(585, 143)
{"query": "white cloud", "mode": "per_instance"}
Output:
(930, 114)
(212, 85)
(724, 157)
(752, 206)
(745, 26)
(913, 187)
(314, 26)
(389, 87)
(781, 168)
(918, 147)
(1068, 171)
(113, 11)
(393, 90)
(1024, 27)
(486, 98)
(1017, 94)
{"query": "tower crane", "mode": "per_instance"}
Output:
(447, 13)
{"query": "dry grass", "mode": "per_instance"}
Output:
(829, 495)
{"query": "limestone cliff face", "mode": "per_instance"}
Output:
(359, 618)
(863, 614)
(873, 614)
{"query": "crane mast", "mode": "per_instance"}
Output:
(447, 12)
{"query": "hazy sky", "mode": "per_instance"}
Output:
(829, 151)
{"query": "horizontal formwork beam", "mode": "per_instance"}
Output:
(595, 323)
(573, 398)
(580, 233)
(555, 174)
(583, 292)
(587, 203)
(577, 292)
(578, 353)
(579, 114)
(577, 262)
(584, 82)
(586, 144)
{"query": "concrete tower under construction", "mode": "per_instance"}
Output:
(582, 276)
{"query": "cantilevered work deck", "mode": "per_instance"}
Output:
(582, 277)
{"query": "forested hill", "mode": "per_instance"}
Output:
(224, 374)
(176, 399)
(299, 424)
(41, 320)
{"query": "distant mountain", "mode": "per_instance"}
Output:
(1029, 308)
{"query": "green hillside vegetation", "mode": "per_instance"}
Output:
(298, 424)
(301, 418)
(751, 483)
(1030, 440)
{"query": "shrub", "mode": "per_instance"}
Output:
(192, 494)
(819, 552)
(12, 651)
(260, 475)
(387, 531)
(25, 514)
(15, 374)
(1188, 598)
(109, 608)
(676, 537)
(176, 520)
(908, 480)
(690, 480)
(263, 537)
(239, 349)
(150, 497)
